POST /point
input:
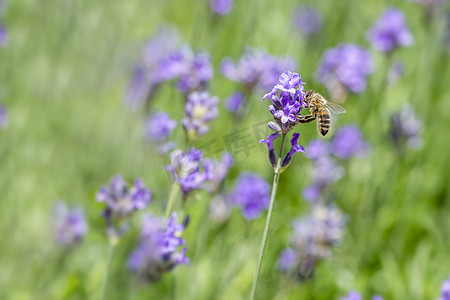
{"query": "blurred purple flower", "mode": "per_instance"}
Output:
(256, 69)
(220, 209)
(308, 20)
(151, 70)
(405, 128)
(288, 258)
(324, 172)
(121, 201)
(221, 7)
(445, 290)
(235, 102)
(3, 117)
(3, 36)
(217, 171)
(317, 149)
(69, 224)
(396, 71)
(188, 170)
(288, 99)
(252, 194)
(352, 295)
(159, 248)
(159, 126)
(390, 31)
(200, 110)
(347, 65)
(193, 70)
(313, 237)
(348, 142)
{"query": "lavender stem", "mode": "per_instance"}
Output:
(171, 201)
(108, 267)
(262, 248)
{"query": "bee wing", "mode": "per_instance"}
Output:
(335, 108)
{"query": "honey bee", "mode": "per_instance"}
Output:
(320, 109)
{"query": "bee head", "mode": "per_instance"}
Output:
(309, 94)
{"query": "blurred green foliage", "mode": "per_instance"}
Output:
(62, 77)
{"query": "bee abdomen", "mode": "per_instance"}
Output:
(324, 123)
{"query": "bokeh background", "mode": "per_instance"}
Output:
(63, 75)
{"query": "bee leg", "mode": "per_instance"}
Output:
(306, 119)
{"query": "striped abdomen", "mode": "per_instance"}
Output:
(323, 120)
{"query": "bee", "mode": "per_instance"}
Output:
(320, 109)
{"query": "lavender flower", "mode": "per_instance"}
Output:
(219, 209)
(217, 171)
(121, 201)
(159, 249)
(295, 148)
(313, 237)
(390, 31)
(69, 224)
(269, 142)
(221, 7)
(405, 129)
(252, 194)
(396, 71)
(288, 99)
(308, 20)
(353, 295)
(256, 69)
(3, 36)
(445, 290)
(159, 126)
(151, 70)
(345, 68)
(348, 142)
(235, 102)
(317, 149)
(3, 117)
(324, 172)
(288, 258)
(194, 71)
(200, 110)
(188, 170)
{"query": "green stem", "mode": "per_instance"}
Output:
(108, 267)
(262, 248)
(172, 197)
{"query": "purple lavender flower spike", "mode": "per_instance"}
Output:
(217, 171)
(221, 7)
(3, 36)
(256, 69)
(159, 126)
(269, 142)
(390, 31)
(287, 100)
(348, 142)
(252, 194)
(377, 297)
(312, 192)
(235, 102)
(200, 110)
(345, 68)
(308, 20)
(445, 290)
(3, 117)
(295, 148)
(405, 129)
(317, 149)
(188, 170)
(159, 248)
(152, 69)
(121, 201)
(288, 258)
(69, 224)
(395, 73)
(352, 295)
